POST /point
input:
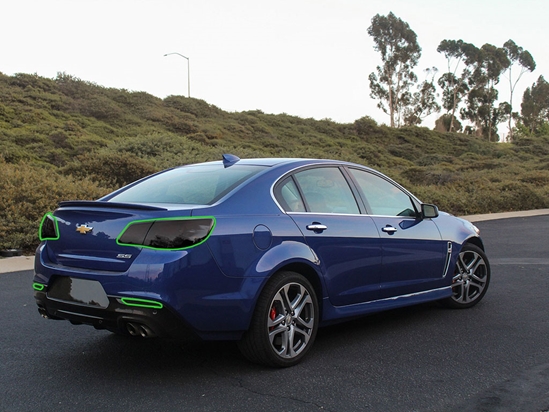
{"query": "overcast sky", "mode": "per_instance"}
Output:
(308, 58)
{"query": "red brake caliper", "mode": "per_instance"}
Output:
(272, 315)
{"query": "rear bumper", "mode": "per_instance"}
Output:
(118, 317)
(196, 299)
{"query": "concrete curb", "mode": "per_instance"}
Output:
(506, 215)
(16, 264)
(20, 263)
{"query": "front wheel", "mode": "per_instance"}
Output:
(285, 322)
(471, 278)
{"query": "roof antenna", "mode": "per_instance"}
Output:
(229, 160)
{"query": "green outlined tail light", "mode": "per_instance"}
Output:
(167, 234)
(38, 286)
(49, 228)
(141, 303)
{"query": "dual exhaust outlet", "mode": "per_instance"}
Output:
(139, 329)
(133, 328)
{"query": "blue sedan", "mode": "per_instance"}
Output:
(261, 251)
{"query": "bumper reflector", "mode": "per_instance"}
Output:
(141, 303)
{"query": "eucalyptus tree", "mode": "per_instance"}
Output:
(423, 102)
(486, 66)
(400, 53)
(535, 106)
(518, 57)
(454, 86)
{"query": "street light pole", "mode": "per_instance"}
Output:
(188, 71)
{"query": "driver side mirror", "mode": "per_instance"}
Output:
(429, 211)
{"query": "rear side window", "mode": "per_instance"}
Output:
(317, 190)
(194, 185)
(290, 197)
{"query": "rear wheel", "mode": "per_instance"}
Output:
(285, 322)
(471, 278)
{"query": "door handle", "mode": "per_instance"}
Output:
(389, 229)
(317, 227)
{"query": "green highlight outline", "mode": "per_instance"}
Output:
(141, 303)
(56, 227)
(38, 286)
(166, 218)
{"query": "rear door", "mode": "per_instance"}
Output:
(346, 242)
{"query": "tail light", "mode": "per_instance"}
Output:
(167, 234)
(49, 229)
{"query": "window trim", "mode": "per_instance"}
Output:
(362, 203)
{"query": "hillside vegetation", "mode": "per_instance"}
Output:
(64, 138)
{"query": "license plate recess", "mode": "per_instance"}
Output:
(78, 291)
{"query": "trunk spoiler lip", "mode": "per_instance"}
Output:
(110, 205)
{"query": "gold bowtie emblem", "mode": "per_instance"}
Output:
(83, 229)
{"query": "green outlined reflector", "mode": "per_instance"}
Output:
(142, 303)
(49, 228)
(38, 286)
(176, 233)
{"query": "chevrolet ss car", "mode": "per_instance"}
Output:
(260, 251)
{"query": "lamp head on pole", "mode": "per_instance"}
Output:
(188, 71)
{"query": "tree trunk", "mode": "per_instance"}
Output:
(391, 102)
(453, 111)
(510, 138)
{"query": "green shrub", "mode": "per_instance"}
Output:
(197, 107)
(27, 192)
(67, 138)
(110, 169)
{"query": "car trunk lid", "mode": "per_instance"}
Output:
(88, 232)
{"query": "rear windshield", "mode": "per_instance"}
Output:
(195, 185)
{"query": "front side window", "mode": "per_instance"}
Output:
(325, 190)
(383, 198)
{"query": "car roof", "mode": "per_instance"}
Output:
(275, 161)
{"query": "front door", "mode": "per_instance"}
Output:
(414, 254)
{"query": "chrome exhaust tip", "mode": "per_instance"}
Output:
(132, 329)
(138, 329)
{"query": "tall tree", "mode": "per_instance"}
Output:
(400, 53)
(486, 65)
(518, 57)
(423, 102)
(535, 105)
(454, 87)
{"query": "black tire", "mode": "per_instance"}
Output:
(471, 278)
(284, 323)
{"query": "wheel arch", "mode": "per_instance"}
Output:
(475, 241)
